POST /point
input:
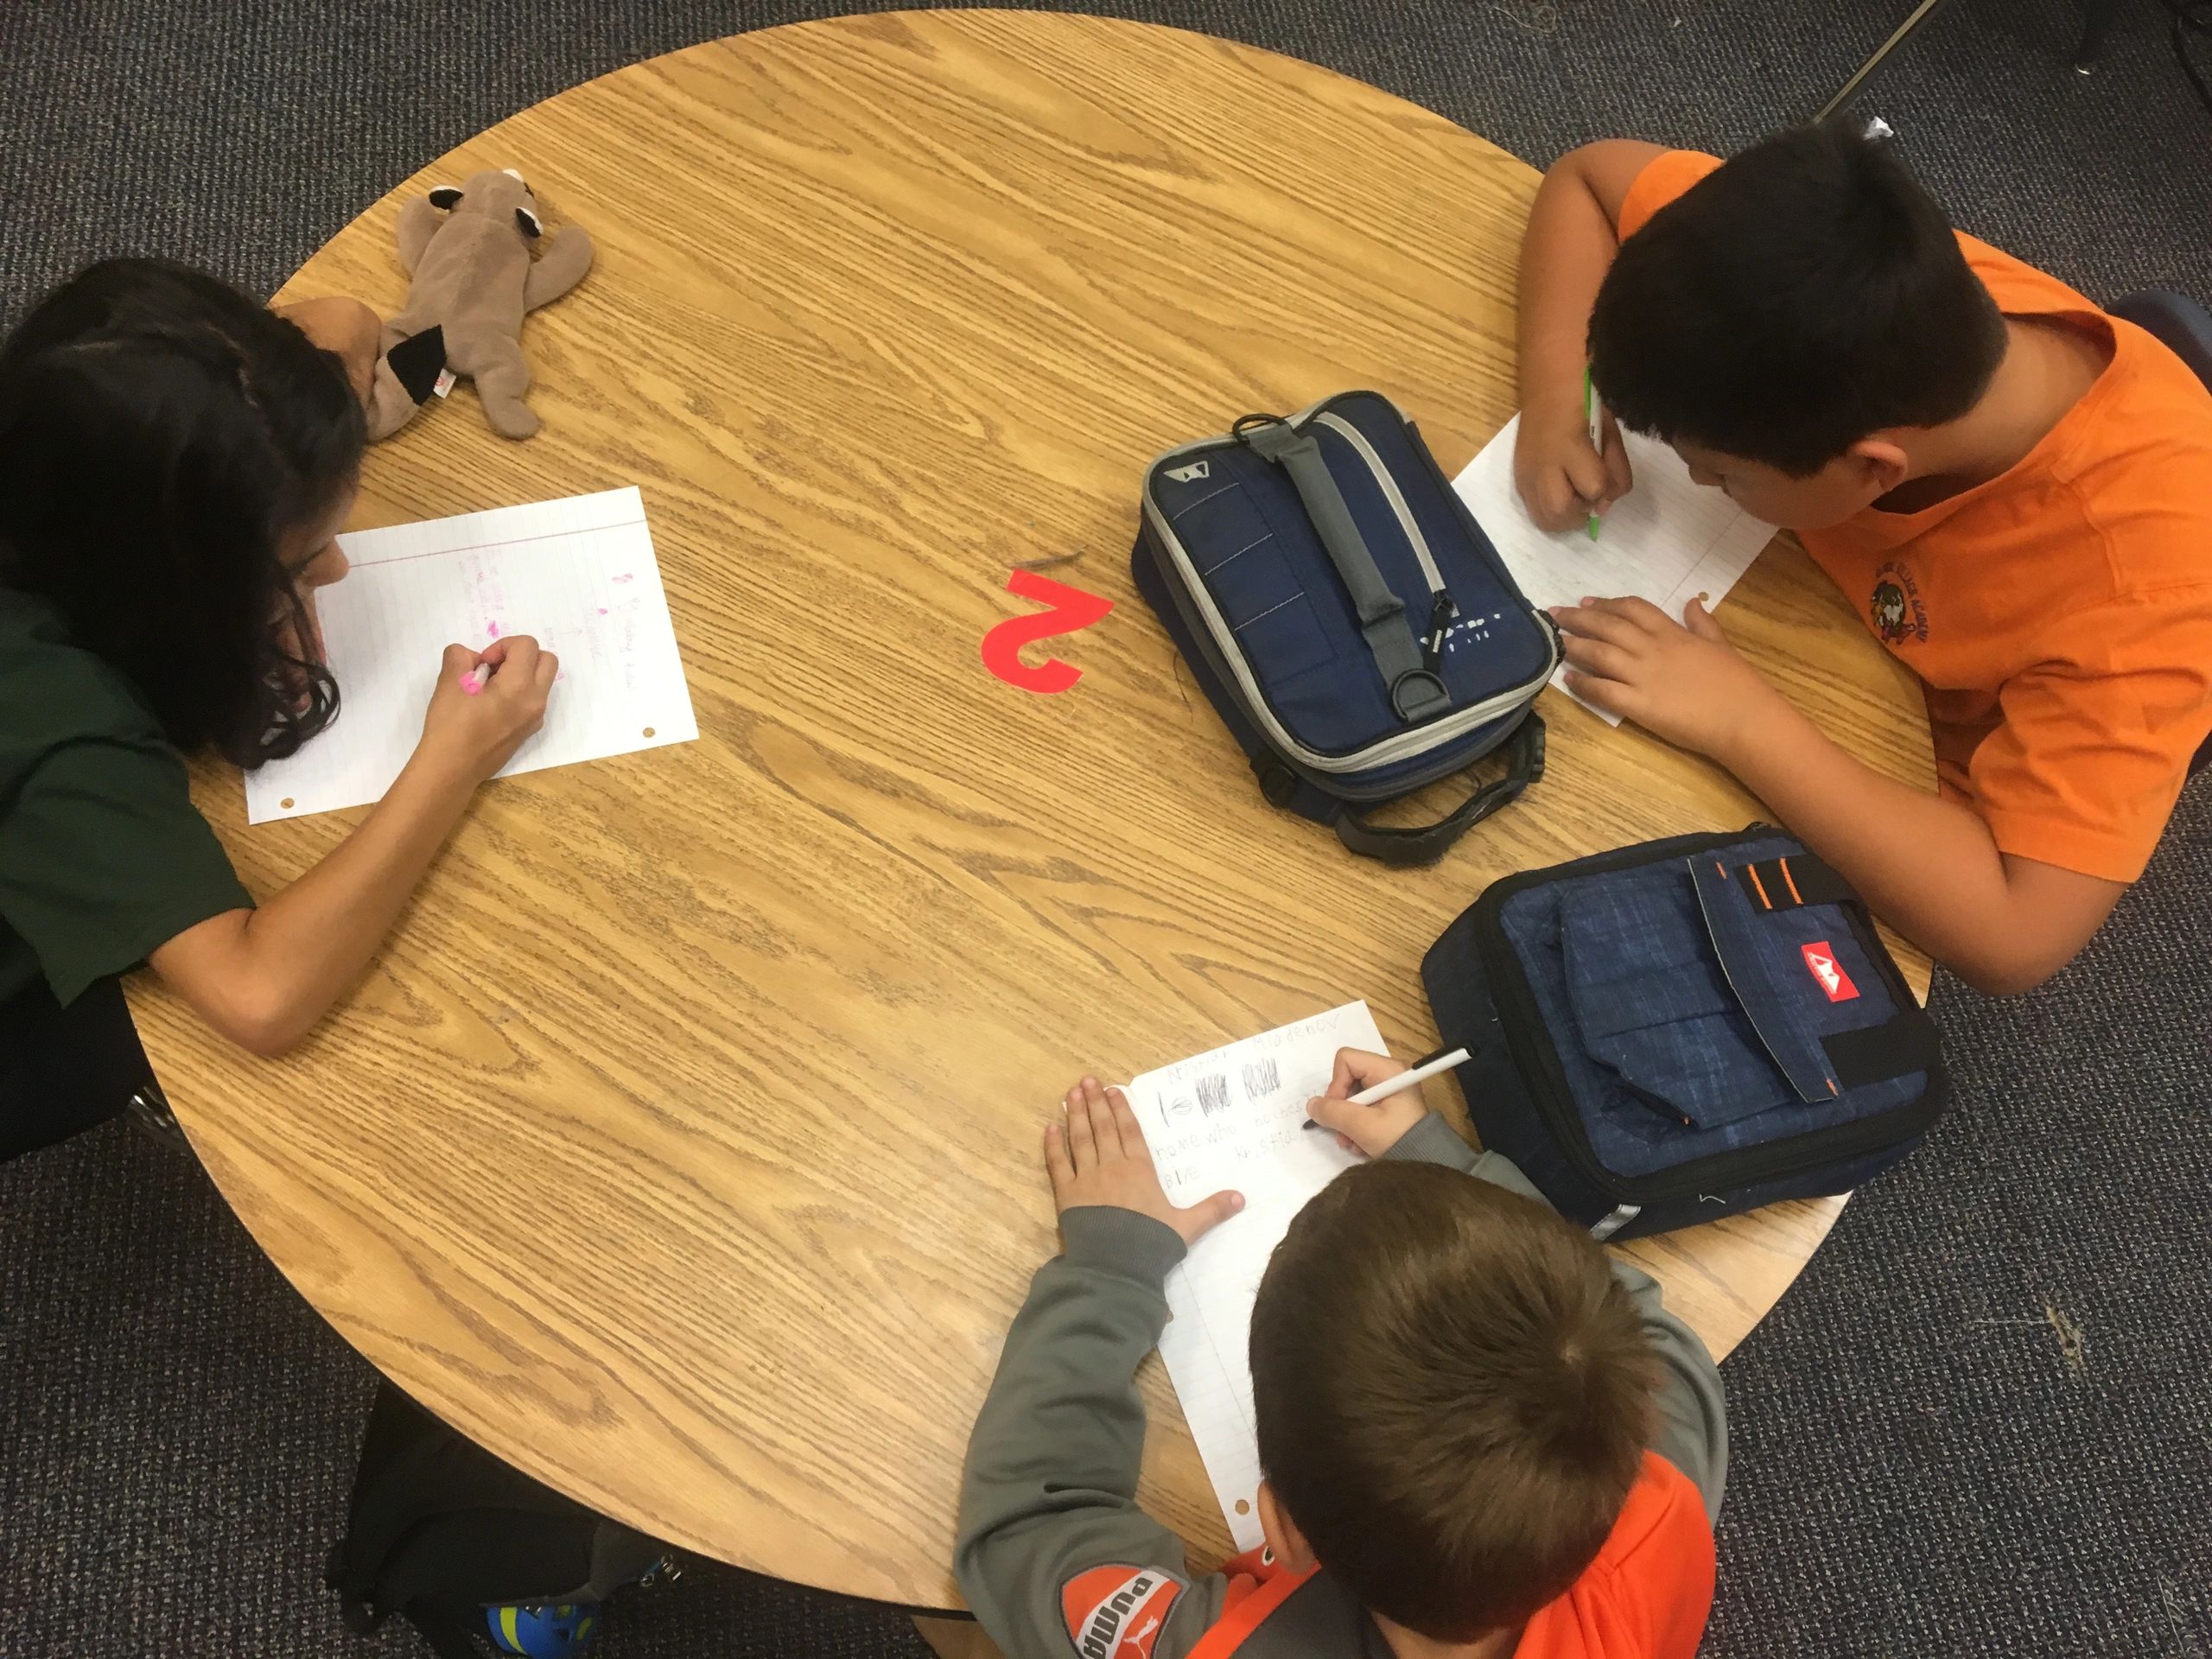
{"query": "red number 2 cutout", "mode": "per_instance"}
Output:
(1072, 608)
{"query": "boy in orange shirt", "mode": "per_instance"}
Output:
(1481, 1437)
(2014, 488)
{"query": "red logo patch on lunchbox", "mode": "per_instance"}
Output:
(1116, 1613)
(1821, 961)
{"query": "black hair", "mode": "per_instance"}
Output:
(1803, 295)
(164, 442)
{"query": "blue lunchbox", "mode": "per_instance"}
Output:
(1346, 617)
(1684, 1029)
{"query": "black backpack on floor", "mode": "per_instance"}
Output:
(445, 1535)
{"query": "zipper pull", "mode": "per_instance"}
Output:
(1441, 610)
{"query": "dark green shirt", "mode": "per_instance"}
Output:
(103, 856)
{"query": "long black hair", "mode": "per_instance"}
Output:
(164, 444)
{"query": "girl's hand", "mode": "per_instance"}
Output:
(1100, 1158)
(1371, 1130)
(472, 733)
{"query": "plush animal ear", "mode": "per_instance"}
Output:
(526, 222)
(446, 196)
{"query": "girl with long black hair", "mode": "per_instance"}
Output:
(175, 462)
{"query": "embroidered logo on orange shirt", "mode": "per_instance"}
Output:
(1116, 1612)
(1896, 608)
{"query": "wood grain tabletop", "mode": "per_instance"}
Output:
(682, 1145)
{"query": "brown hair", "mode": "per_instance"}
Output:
(1454, 1395)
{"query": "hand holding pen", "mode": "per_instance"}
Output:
(1388, 1101)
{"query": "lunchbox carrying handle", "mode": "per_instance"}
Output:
(1415, 693)
(1426, 844)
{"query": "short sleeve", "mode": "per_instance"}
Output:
(2089, 756)
(104, 858)
(1665, 178)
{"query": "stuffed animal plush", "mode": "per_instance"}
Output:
(480, 262)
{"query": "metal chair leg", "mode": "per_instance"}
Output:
(149, 1112)
(2096, 22)
(1921, 14)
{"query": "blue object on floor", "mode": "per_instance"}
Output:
(549, 1631)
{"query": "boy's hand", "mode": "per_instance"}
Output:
(1561, 479)
(1371, 1130)
(1682, 681)
(1100, 1158)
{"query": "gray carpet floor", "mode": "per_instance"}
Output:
(1980, 1424)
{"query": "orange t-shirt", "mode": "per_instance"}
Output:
(1646, 1596)
(1651, 1590)
(2060, 614)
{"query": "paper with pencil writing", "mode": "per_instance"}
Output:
(1230, 1118)
(578, 575)
(1668, 540)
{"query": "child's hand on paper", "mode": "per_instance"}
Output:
(1371, 1130)
(1561, 479)
(474, 732)
(1682, 681)
(1099, 1157)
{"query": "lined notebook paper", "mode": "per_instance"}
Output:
(578, 575)
(1668, 540)
(1230, 1118)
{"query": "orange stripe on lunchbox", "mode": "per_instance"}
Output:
(1759, 886)
(1795, 896)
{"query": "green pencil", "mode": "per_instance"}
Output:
(1596, 431)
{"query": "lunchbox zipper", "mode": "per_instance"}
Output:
(1538, 1059)
(1205, 650)
(1400, 746)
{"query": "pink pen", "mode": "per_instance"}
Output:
(476, 678)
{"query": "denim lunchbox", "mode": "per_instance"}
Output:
(1684, 1029)
(1346, 617)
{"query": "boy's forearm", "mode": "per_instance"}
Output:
(1564, 256)
(1925, 864)
(1049, 1490)
(1065, 1392)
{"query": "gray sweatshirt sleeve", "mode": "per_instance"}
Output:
(1054, 1555)
(1693, 1430)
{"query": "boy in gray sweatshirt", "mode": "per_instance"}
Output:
(1481, 1438)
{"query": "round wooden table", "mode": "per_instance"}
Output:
(682, 1145)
